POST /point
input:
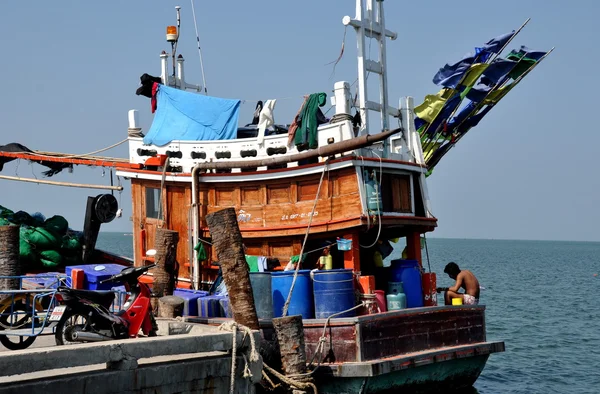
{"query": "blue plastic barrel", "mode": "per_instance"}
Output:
(409, 273)
(302, 297)
(334, 292)
(261, 290)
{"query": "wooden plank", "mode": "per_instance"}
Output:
(340, 345)
(251, 195)
(278, 193)
(387, 335)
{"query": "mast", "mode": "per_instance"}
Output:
(369, 23)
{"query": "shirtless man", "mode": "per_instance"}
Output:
(464, 279)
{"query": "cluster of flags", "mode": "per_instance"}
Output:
(471, 87)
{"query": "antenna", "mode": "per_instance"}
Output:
(199, 49)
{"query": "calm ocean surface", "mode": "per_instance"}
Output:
(541, 301)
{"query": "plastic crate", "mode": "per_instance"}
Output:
(94, 273)
(210, 306)
(190, 308)
(225, 309)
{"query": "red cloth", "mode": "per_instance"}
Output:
(153, 99)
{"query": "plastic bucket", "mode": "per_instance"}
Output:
(302, 297)
(409, 273)
(261, 290)
(381, 301)
(334, 293)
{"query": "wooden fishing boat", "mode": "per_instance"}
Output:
(366, 188)
(349, 181)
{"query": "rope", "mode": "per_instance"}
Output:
(291, 382)
(289, 297)
(340, 118)
(232, 326)
(85, 154)
(323, 338)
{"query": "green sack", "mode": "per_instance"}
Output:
(50, 258)
(57, 223)
(41, 238)
(71, 243)
(27, 255)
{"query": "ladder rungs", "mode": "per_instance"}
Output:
(373, 106)
(374, 67)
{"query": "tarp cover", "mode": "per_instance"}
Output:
(182, 115)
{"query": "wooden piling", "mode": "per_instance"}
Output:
(229, 248)
(9, 257)
(165, 272)
(170, 306)
(290, 335)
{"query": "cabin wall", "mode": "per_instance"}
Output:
(284, 207)
(175, 202)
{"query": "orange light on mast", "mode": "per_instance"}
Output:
(171, 33)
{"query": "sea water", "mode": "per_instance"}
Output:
(541, 299)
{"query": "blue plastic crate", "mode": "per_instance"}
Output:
(210, 306)
(190, 307)
(46, 280)
(121, 296)
(94, 273)
(225, 309)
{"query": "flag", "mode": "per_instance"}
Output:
(479, 92)
(497, 71)
(432, 105)
(525, 58)
(444, 113)
(473, 121)
(462, 115)
(494, 45)
(450, 75)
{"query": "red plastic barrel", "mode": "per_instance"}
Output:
(429, 285)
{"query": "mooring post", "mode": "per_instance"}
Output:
(165, 271)
(170, 306)
(229, 248)
(290, 335)
(9, 257)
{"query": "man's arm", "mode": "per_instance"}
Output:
(458, 284)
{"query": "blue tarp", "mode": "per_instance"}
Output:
(182, 115)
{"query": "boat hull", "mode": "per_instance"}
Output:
(433, 378)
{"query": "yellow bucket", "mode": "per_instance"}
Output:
(457, 301)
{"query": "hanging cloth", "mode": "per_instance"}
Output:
(294, 126)
(265, 119)
(309, 121)
(199, 248)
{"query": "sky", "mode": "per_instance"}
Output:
(71, 68)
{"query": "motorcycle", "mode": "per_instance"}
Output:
(84, 315)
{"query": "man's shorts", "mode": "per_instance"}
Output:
(470, 300)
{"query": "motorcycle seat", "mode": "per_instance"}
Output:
(104, 298)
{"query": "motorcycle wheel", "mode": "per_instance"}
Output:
(23, 319)
(71, 322)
